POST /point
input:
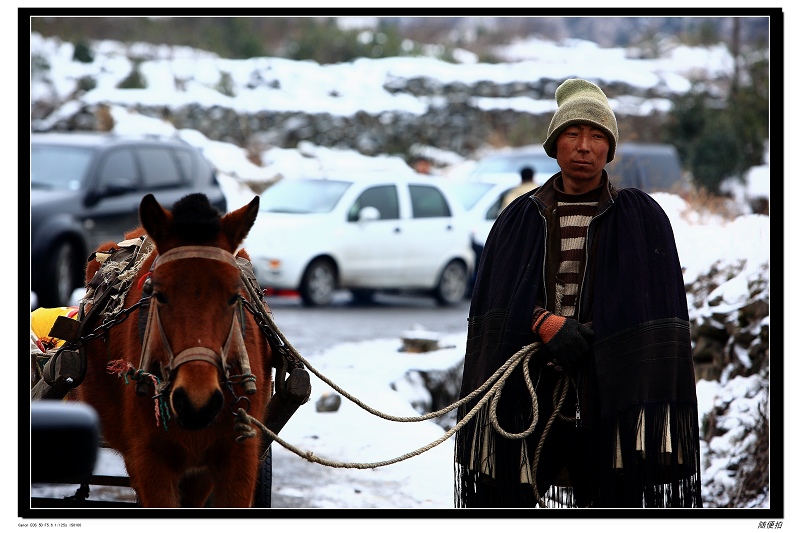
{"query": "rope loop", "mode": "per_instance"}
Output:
(526, 357)
(491, 388)
(242, 426)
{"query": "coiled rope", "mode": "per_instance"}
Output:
(492, 387)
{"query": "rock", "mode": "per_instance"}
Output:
(329, 402)
(418, 340)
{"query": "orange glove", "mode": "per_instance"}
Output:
(566, 339)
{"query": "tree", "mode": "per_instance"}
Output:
(720, 138)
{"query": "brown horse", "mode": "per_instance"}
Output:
(195, 355)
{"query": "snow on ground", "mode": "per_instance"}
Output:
(368, 370)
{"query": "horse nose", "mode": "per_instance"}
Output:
(193, 416)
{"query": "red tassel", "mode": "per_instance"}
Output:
(118, 366)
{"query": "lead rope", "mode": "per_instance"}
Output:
(494, 385)
(496, 381)
(562, 384)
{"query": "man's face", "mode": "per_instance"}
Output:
(581, 152)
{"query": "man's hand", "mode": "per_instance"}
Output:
(566, 339)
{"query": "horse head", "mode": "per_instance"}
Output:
(195, 320)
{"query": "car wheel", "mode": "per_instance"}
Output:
(263, 493)
(60, 281)
(452, 284)
(319, 283)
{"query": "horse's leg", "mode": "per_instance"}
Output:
(235, 481)
(195, 488)
(154, 481)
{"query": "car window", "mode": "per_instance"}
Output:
(184, 158)
(382, 197)
(302, 196)
(118, 168)
(469, 193)
(650, 168)
(494, 210)
(58, 167)
(159, 168)
(427, 202)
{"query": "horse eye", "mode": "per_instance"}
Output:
(160, 298)
(234, 299)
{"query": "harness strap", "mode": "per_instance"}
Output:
(198, 353)
(107, 283)
(197, 252)
(147, 339)
(236, 338)
(283, 360)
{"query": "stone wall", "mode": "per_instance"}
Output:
(457, 120)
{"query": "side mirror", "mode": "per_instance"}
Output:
(109, 190)
(65, 441)
(368, 214)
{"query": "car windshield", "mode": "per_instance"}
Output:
(302, 196)
(468, 193)
(58, 167)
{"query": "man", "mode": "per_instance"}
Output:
(423, 165)
(526, 185)
(591, 274)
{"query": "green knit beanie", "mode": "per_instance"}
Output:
(581, 102)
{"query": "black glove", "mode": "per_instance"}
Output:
(565, 339)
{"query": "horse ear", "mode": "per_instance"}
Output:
(236, 224)
(154, 218)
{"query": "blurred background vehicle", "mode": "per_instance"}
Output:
(482, 202)
(86, 189)
(649, 167)
(482, 189)
(364, 234)
(504, 166)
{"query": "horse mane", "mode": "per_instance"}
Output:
(195, 220)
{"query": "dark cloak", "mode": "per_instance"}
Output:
(640, 367)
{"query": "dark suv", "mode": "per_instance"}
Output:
(86, 189)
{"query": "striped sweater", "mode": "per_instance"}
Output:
(574, 214)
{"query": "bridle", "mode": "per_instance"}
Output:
(234, 341)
